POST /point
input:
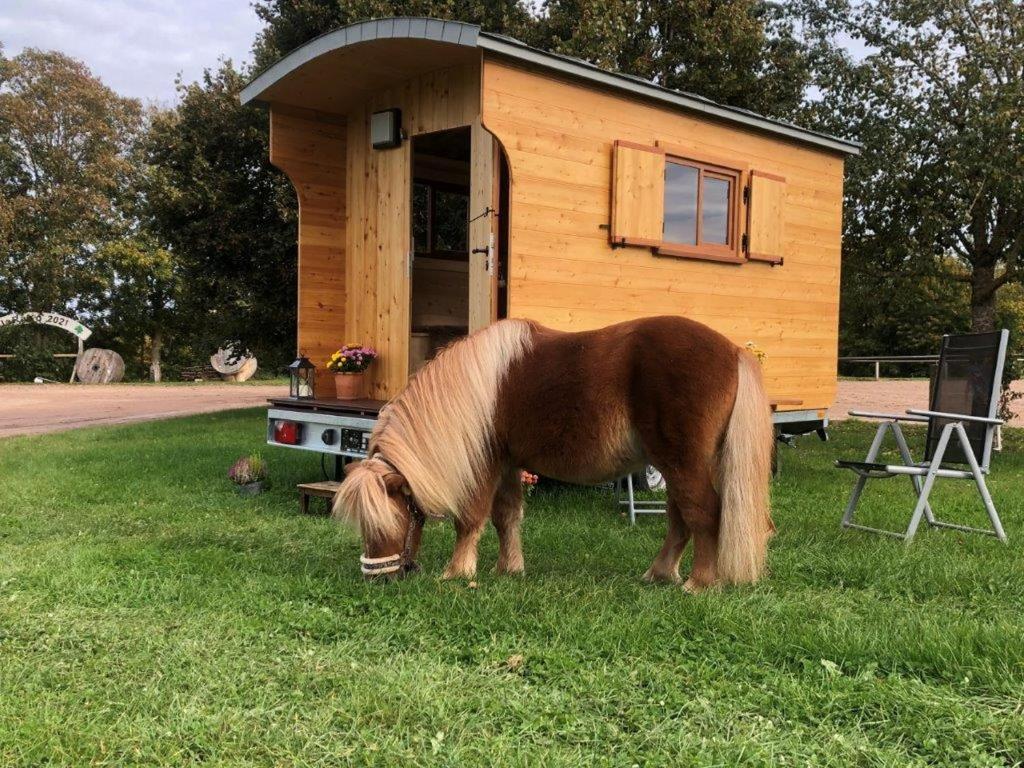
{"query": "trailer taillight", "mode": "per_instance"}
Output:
(287, 432)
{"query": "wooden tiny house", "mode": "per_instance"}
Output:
(526, 184)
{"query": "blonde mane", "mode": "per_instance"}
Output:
(438, 433)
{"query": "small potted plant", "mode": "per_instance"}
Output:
(249, 474)
(349, 365)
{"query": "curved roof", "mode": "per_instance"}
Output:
(470, 36)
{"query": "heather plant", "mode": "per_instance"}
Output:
(248, 469)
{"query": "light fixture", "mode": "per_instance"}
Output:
(386, 129)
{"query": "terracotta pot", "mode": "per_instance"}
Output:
(349, 386)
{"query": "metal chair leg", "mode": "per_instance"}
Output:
(979, 480)
(929, 481)
(858, 488)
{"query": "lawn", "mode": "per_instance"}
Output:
(150, 616)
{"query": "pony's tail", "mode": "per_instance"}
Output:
(744, 475)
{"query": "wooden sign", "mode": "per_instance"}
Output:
(72, 326)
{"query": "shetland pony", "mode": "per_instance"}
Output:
(579, 407)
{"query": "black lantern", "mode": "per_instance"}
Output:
(302, 379)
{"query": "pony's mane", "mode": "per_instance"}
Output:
(363, 500)
(439, 431)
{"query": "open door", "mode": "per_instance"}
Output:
(483, 228)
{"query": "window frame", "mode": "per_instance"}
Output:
(733, 251)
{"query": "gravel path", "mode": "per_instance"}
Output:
(895, 396)
(28, 409)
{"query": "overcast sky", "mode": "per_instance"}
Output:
(135, 46)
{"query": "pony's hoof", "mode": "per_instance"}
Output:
(696, 587)
(452, 573)
(503, 569)
(654, 577)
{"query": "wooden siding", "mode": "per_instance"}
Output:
(379, 197)
(564, 273)
(309, 148)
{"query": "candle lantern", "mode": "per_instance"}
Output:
(302, 379)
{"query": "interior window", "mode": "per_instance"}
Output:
(440, 220)
(700, 210)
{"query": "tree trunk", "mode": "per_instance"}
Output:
(155, 345)
(983, 298)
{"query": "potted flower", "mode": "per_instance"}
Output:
(249, 474)
(349, 365)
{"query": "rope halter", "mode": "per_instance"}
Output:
(402, 562)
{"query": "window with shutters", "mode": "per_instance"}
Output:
(701, 210)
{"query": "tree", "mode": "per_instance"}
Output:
(141, 304)
(738, 52)
(64, 141)
(290, 23)
(227, 217)
(939, 105)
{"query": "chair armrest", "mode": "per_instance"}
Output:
(954, 416)
(886, 416)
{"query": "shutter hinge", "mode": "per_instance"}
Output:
(745, 243)
(746, 195)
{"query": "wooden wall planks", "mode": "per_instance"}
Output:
(379, 194)
(562, 271)
(310, 148)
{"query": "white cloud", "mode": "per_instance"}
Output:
(135, 46)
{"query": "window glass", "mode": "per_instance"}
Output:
(451, 221)
(421, 218)
(714, 223)
(681, 203)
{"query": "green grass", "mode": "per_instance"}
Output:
(150, 616)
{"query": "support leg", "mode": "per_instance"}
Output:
(929, 481)
(979, 480)
(915, 480)
(858, 488)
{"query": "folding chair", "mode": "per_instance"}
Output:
(633, 505)
(961, 421)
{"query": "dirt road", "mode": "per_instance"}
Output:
(27, 409)
(895, 396)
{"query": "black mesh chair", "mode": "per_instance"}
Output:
(961, 421)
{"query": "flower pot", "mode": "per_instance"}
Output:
(349, 386)
(252, 489)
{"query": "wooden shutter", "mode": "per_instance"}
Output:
(638, 194)
(766, 219)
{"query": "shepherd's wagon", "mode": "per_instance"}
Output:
(447, 177)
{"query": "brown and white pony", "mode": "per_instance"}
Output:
(579, 407)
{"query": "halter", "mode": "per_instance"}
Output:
(402, 562)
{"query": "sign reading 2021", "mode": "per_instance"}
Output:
(72, 326)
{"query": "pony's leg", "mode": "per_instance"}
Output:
(700, 509)
(467, 535)
(507, 515)
(666, 565)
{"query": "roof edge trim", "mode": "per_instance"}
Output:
(470, 35)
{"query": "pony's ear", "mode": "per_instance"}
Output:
(395, 483)
(350, 466)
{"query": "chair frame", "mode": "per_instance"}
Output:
(924, 474)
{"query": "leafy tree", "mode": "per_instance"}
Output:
(141, 305)
(939, 104)
(290, 23)
(213, 201)
(738, 52)
(64, 141)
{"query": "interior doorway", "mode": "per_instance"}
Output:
(439, 293)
